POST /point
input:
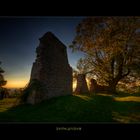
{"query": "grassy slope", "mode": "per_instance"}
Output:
(80, 108)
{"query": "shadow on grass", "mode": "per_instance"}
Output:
(126, 94)
(127, 111)
(62, 109)
(76, 108)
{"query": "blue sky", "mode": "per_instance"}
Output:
(19, 39)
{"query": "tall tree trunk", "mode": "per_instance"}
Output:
(113, 83)
(120, 75)
(112, 86)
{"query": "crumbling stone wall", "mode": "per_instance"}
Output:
(81, 87)
(94, 87)
(51, 68)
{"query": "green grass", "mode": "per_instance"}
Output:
(122, 108)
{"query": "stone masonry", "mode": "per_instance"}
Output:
(81, 87)
(51, 68)
(94, 87)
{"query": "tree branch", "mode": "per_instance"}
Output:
(128, 71)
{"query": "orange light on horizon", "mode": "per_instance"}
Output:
(74, 85)
(23, 83)
(16, 84)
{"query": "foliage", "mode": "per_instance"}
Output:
(82, 66)
(2, 81)
(111, 45)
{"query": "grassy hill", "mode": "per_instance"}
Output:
(122, 108)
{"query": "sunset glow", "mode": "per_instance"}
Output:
(74, 85)
(23, 83)
(21, 37)
(16, 84)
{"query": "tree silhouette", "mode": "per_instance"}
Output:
(2, 81)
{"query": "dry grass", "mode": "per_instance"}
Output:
(122, 108)
(127, 99)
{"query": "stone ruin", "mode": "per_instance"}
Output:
(51, 73)
(95, 87)
(81, 87)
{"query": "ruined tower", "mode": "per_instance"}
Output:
(81, 87)
(51, 70)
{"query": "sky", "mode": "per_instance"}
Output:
(19, 39)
